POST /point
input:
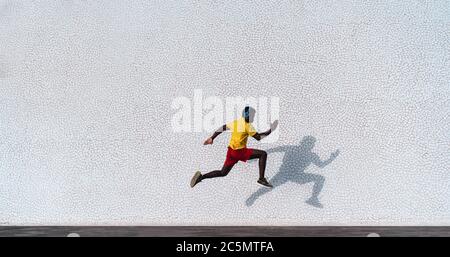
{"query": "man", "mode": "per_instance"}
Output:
(237, 149)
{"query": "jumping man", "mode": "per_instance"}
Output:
(237, 149)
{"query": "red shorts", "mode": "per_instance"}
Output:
(233, 156)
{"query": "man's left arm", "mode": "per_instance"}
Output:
(259, 136)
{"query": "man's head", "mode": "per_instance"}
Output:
(249, 114)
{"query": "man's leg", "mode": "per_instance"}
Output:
(227, 166)
(262, 156)
(217, 173)
(198, 177)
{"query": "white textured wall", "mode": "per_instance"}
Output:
(86, 89)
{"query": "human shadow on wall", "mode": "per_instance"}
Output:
(295, 161)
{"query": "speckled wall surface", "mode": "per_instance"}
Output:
(86, 89)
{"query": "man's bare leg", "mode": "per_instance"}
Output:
(198, 177)
(262, 156)
(217, 173)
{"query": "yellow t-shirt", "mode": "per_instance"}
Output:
(240, 130)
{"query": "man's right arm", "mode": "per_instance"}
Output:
(210, 140)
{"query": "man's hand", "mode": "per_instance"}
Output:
(274, 125)
(208, 141)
